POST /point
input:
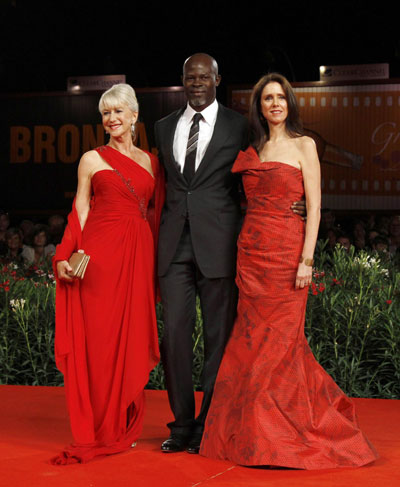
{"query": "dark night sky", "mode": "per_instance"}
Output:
(44, 42)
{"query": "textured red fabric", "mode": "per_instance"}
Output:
(273, 404)
(106, 330)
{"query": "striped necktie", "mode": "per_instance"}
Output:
(191, 149)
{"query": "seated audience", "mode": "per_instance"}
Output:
(40, 251)
(13, 239)
(331, 235)
(380, 244)
(372, 234)
(359, 234)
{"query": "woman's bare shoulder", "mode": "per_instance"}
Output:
(306, 143)
(89, 160)
(90, 156)
(307, 147)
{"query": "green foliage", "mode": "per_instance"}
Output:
(352, 324)
(27, 327)
(353, 321)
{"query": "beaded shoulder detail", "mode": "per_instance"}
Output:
(129, 185)
(141, 201)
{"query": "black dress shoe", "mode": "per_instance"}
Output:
(174, 444)
(194, 444)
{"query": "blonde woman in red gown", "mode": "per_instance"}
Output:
(106, 331)
(273, 404)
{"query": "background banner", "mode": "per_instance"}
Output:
(357, 132)
(43, 136)
(356, 128)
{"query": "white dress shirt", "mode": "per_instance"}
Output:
(206, 129)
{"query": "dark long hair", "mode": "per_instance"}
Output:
(259, 130)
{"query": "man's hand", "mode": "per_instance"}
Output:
(299, 207)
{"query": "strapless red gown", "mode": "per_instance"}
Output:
(273, 404)
(107, 344)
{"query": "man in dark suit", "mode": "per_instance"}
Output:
(197, 244)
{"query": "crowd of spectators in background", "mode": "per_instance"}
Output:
(28, 243)
(372, 233)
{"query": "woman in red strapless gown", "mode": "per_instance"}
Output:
(106, 330)
(273, 404)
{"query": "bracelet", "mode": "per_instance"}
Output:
(308, 262)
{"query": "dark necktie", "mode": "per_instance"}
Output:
(191, 149)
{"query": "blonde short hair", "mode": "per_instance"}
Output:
(119, 95)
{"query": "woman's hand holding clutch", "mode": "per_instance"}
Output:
(65, 271)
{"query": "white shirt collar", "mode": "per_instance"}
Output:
(209, 113)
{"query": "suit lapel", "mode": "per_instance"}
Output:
(220, 134)
(169, 137)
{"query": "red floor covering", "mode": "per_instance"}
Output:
(34, 427)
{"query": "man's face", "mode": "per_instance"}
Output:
(200, 80)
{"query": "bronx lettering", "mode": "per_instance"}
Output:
(46, 144)
(68, 133)
(44, 137)
(20, 149)
(89, 139)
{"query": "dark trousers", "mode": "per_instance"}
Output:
(218, 300)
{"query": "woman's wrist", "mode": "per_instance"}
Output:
(306, 261)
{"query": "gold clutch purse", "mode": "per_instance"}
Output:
(79, 261)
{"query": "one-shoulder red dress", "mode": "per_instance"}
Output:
(106, 330)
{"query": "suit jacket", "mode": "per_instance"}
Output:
(210, 201)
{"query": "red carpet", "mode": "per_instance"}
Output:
(34, 427)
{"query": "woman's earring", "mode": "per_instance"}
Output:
(133, 127)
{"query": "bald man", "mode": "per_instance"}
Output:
(197, 145)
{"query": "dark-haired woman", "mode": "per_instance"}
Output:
(273, 404)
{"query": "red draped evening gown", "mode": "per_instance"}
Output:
(106, 330)
(273, 404)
